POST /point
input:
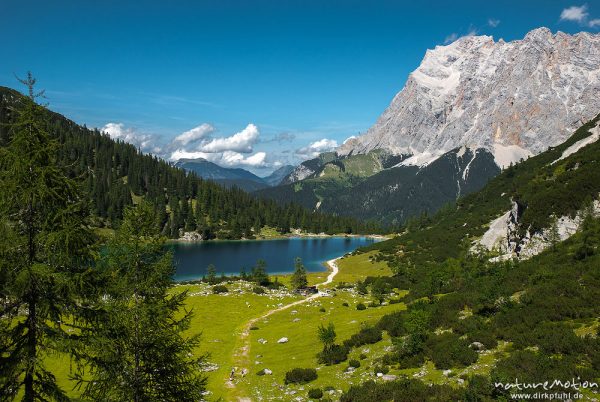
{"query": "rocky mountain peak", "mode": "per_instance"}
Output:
(514, 99)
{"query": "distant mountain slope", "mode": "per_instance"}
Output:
(227, 177)
(275, 178)
(378, 186)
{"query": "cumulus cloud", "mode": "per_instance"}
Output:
(580, 15)
(239, 142)
(195, 134)
(574, 13)
(227, 158)
(313, 149)
(118, 131)
(493, 22)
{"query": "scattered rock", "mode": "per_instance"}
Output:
(262, 341)
(283, 340)
(296, 320)
(446, 372)
(267, 372)
(388, 377)
(477, 346)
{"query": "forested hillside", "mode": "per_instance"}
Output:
(116, 175)
(474, 321)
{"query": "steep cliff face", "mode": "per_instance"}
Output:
(514, 98)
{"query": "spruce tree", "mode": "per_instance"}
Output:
(135, 349)
(45, 245)
(299, 280)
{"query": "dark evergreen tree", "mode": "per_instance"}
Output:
(44, 243)
(259, 273)
(134, 347)
(299, 280)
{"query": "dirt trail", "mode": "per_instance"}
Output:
(240, 356)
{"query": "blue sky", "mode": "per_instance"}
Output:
(245, 83)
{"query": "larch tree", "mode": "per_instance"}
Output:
(45, 246)
(299, 280)
(135, 349)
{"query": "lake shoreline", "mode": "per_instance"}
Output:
(281, 237)
(315, 252)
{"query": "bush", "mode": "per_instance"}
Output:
(300, 375)
(220, 289)
(345, 304)
(333, 355)
(381, 369)
(315, 393)
(361, 307)
(365, 336)
(322, 309)
(253, 328)
(259, 290)
(449, 350)
(354, 363)
(362, 356)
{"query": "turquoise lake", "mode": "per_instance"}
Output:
(230, 257)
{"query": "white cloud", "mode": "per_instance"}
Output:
(226, 159)
(239, 142)
(574, 13)
(194, 134)
(493, 22)
(183, 154)
(315, 148)
(118, 131)
(231, 158)
(595, 23)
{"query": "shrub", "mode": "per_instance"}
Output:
(345, 304)
(259, 290)
(333, 355)
(354, 363)
(362, 356)
(253, 328)
(365, 336)
(449, 350)
(300, 375)
(381, 369)
(361, 306)
(220, 289)
(322, 309)
(315, 393)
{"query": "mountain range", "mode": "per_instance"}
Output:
(230, 177)
(470, 109)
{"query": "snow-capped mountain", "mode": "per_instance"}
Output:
(513, 99)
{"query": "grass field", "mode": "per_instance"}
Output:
(221, 318)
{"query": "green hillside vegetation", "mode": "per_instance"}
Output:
(371, 186)
(541, 313)
(540, 188)
(115, 174)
